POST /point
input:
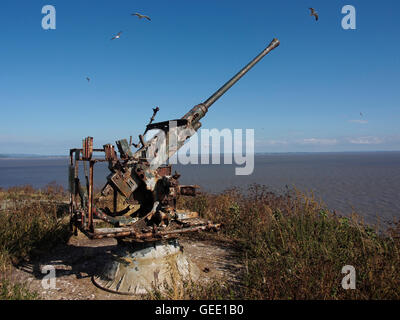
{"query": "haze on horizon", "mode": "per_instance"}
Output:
(324, 89)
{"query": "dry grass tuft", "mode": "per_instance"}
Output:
(34, 223)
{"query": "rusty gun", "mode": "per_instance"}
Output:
(142, 179)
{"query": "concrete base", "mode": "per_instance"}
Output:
(138, 268)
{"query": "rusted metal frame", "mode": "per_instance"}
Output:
(86, 223)
(71, 195)
(90, 197)
(115, 201)
(100, 160)
(77, 153)
(80, 150)
(87, 148)
(149, 236)
(104, 217)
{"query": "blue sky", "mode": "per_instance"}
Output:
(306, 95)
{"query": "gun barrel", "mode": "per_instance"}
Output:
(274, 43)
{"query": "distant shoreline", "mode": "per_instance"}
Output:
(34, 158)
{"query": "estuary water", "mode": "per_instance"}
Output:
(368, 182)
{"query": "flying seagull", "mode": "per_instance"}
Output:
(88, 79)
(117, 36)
(140, 16)
(314, 13)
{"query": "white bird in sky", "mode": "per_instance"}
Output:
(117, 36)
(140, 16)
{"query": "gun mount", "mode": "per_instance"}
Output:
(142, 179)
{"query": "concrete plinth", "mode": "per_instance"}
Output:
(138, 268)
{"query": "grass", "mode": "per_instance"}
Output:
(290, 245)
(293, 247)
(50, 192)
(27, 229)
(15, 291)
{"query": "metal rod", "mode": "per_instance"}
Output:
(148, 236)
(76, 175)
(115, 201)
(71, 196)
(90, 197)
